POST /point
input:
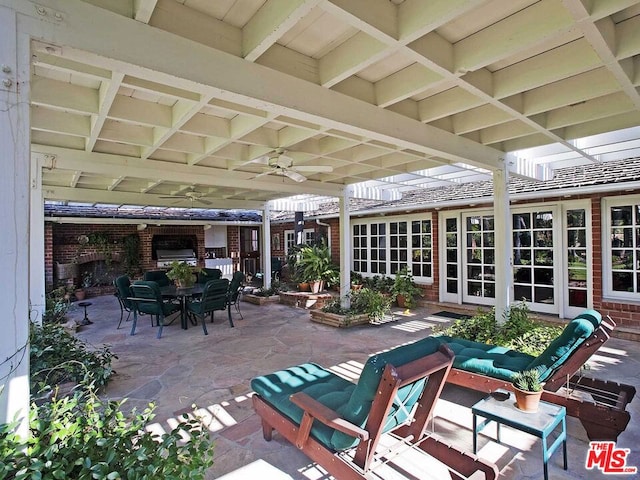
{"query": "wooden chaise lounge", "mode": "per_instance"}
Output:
(598, 404)
(339, 424)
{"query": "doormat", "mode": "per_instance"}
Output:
(454, 315)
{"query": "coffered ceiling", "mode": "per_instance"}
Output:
(136, 100)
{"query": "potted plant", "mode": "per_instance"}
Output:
(80, 293)
(314, 264)
(356, 280)
(404, 288)
(527, 389)
(182, 273)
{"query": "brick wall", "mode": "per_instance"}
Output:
(233, 244)
(146, 242)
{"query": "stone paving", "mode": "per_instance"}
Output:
(186, 368)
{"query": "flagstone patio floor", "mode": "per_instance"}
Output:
(186, 368)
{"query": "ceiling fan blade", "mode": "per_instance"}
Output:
(294, 175)
(313, 168)
(203, 201)
(173, 196)
(264, 160)
(264, 173)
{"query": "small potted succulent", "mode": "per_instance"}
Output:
(527, 389)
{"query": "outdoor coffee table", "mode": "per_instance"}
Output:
(541, 423)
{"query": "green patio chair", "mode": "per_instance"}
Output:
(207, 274)
(214, 297)
(123, 293)
(158, 276)
(148, 299)
(235, 289)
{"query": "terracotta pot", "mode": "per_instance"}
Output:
(356, 287)
(80, 294)
(401, 301)
(527, 401)
(303, 287)
(316, 286)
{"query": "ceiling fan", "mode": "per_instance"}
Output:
(192, 194)
(278, 163)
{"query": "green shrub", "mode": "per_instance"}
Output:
(81, 437)
(519, 332)
(56, 357)
(479, 328)
(57, 305)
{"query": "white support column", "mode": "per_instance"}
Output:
(14, 218)
(36, 242)
(266, 245)
(345, 247)
(503, 242)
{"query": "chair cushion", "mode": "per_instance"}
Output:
(573, 335)
(352, 402)
(485, 359)
(321, 384)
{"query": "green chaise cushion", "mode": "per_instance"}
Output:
(573, 335)
(490, 360)
(351, 401)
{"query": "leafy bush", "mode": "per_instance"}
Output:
(519, 332)
(82, 437)
(56, 357)
(363, 301)
(275, 289)
(56, 305)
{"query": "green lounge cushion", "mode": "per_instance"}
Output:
(573, 335)
(485, 359)
(502, 363)
(351, 401)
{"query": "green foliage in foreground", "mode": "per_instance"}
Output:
(81, 437)
(519, 332)
(56, 356)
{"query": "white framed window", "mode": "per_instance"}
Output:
(308, 237)
(621, 247)
(382, 247)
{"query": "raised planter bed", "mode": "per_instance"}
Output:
(340, 321)
(307, 300)
(345, 321)
(258, 300)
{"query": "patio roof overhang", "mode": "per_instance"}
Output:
(135, 101)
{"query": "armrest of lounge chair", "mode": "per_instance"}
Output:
(316, 410)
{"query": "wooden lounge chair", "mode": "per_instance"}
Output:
(339, 424)
(598, 404)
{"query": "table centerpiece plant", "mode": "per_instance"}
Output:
(182, 274)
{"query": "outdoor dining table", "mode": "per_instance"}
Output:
(182, 294)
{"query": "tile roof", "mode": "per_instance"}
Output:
(606, 173)
(150, 213)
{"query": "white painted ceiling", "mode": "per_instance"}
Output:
(135, 100)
